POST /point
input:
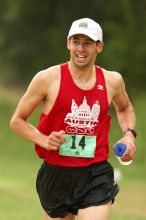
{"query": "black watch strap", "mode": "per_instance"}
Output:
(132, 131)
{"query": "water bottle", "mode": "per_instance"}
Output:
(119, 150)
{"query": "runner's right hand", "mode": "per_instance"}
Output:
(54, 140)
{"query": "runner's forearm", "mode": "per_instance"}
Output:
(126, 118)
(27, 131)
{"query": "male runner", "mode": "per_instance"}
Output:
(72, 135)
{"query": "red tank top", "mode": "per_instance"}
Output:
(77, 111)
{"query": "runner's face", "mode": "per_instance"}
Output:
(83, 50)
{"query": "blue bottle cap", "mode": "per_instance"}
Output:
(120, 149)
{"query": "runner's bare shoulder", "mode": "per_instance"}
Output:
(44, 79)
(50, 74)
(113, 79)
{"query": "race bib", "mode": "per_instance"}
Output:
(78, 146)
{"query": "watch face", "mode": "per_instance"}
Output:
(134, 133)
(132, 130)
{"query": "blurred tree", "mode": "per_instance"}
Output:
(33, 36)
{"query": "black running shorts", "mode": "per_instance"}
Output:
(64, 190)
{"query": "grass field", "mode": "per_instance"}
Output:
(19, 165)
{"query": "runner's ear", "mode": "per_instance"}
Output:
(68, 43)
(100, 46)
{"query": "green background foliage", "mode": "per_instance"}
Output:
(33, 36)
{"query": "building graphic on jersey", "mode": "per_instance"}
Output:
(82, 119)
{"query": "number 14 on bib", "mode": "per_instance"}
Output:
(78, 146)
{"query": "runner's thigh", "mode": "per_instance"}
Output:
(100, 212)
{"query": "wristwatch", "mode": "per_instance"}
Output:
(132, 131)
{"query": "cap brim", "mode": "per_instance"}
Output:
(84, 32)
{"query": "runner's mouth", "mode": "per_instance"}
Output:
(81, 56)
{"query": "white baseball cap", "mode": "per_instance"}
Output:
(87, 27)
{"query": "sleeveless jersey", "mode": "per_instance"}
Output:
(83, 115)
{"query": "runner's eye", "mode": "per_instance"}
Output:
(85, 43)
(88, 43)
(76, 42)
